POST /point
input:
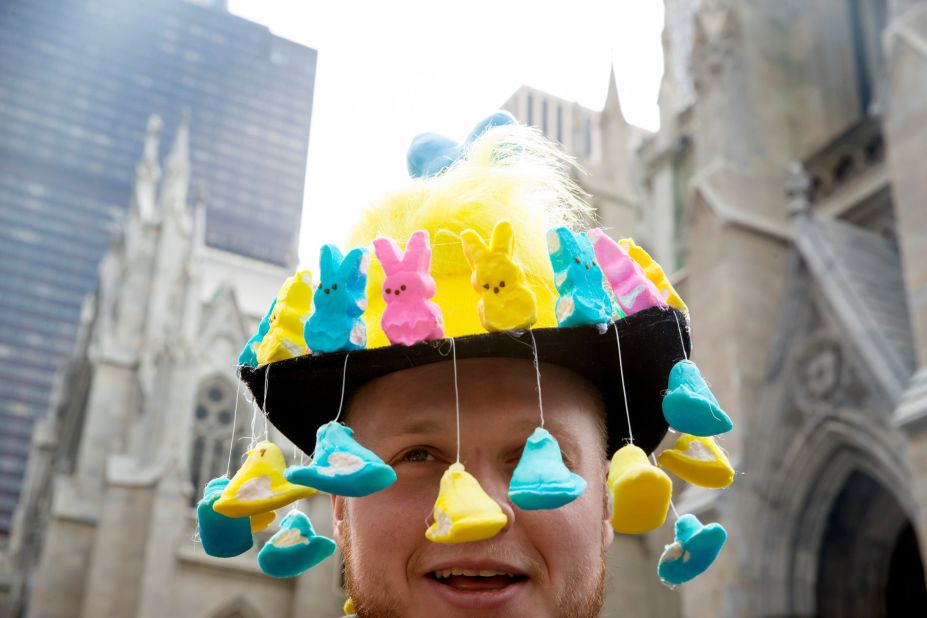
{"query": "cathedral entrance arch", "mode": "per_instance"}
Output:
(869, 563)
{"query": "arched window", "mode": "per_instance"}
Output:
(212, 433)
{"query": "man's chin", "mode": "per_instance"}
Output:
(583, 598)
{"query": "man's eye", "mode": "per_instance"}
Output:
(417, 455)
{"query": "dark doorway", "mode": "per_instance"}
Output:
(906, 587)
(869, 562)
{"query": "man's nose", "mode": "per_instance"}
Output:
(495, 482)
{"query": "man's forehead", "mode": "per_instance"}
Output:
(501, 393)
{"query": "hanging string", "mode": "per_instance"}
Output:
(264, 405)
(456, 395)
(624, 391)
(681, 342)
(228, 467)
(672, 506)
(537, 371)
(344, 379)
(253, 421)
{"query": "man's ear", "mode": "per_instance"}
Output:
(339, 504)
(608, 507)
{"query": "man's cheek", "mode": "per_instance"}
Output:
(403, 507)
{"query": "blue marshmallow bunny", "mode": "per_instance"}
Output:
(248, 354)
(579, 280)
(335, 324)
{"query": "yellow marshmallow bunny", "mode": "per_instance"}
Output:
(506, 302)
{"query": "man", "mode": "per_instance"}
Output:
(475, 396)
(543, 563)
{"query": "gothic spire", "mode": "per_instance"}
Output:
(177, 174)
(148, 172)
(612, 103)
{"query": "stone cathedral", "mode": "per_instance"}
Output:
(787, 184)
(144, 416)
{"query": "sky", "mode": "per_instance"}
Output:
(388, 71)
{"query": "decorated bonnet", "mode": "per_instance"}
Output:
(478, 256)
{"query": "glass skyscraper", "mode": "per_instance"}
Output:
(78, 81)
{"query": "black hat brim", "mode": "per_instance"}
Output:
(304, 392)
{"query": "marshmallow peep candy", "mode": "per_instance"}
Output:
(430, 154)
(655, 273)
(295, 548)
(579, 280)
(699, 461)
(633, 290)
(463, 511)
(341, 466)
(410, 317)
(259, 485)
(284, 338)
(541, 480)
(248, 354)
(340, 300)
(695, 548)
(221, 536)
(261, 521)
(689, 405)
(506, 302)
(640, 491)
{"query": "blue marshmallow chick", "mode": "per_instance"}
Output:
(689, 405)
(579, 280)
(339, 302)
(221, 536)
(694, 550)
(295, 548)
(341, 466)
(541, 480)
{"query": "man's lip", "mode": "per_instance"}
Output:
(478, 599)
(476, 564)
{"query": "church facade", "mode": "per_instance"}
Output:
(788, 178)
(146, 413)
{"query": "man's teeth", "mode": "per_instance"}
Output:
(470, 573)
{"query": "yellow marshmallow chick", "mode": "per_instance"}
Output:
(655, 273)
(699, 461)
(259, 485)
(506, 302)
(640, 491)
(261, 521)
(463, 511)
(284, 338)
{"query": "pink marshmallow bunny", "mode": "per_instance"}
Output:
(409, 317)
(634, 291)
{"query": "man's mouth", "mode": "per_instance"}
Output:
(475, 579)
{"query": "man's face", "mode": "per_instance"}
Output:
(408, 419)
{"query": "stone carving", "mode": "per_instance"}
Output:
(823, 378)
(717, 33)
